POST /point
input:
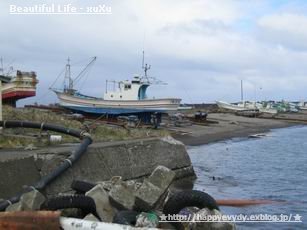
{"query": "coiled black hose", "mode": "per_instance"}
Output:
(82, 187)
(85, 203)
(189, 198)
(85, 138)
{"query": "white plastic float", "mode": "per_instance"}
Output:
(77, 224)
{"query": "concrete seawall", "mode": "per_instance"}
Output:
(130, 159)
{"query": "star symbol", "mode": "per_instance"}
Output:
(163, 217)
(297, 217)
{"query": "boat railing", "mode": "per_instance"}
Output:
(85, 96)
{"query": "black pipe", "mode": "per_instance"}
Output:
(82, 187)
(42, 126)
(67, 163)
(85, 203)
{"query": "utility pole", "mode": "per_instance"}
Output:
(242, 90)
(1, 65)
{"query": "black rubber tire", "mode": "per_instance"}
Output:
(81, 187)
(191, 198)
(85, 203)
(125, 217)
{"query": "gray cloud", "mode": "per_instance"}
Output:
(202, 48)
(287, 30)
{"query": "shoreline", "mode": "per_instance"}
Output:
(229, 126)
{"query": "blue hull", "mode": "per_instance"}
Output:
(111, 111)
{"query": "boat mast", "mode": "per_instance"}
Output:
(68, 77)
(106, 86)
(241, 90)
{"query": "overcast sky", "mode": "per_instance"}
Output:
(202, 49)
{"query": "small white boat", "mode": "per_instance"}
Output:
(236, 107)
(302, 106)
(257, 135)
(247, 106)
(267, 109)
(252, 108)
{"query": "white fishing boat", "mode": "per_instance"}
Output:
(302, 106)
(266, 108)
(247, 106)
(239, 107)
(244, 106)
(126, 97)
(236, 107)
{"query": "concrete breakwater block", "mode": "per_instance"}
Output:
(161, 177)
(116, 194)
(153, 188)
(131, 195)
(147, 196)
(103, 207)
(129, 159)
(139, 198)
(28, 201)
(122, 195)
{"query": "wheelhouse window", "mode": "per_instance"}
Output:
(127, 86)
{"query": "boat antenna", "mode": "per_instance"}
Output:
(145, 67)
(150, 80)
(9, 68)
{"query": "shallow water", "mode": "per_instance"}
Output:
(272, 167)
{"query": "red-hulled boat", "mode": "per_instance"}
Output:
(21, 86)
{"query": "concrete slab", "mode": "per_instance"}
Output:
(15, 173)
(131, 159)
